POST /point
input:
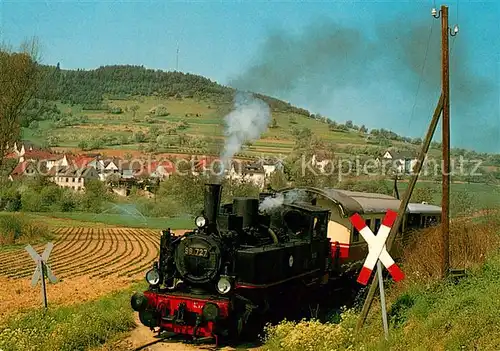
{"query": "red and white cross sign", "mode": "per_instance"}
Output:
(376, 247)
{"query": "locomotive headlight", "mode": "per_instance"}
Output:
(223, 285)
(200, 221)
(153, 277)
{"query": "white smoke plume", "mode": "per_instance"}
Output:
(248, 120)
(271, 203)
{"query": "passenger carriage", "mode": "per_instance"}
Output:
(348, 246)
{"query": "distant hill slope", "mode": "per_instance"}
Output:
(89, 88)
(131, 109)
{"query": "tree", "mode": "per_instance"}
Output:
(274, 123)
(19, 79)
(134, 109)
(140, 137)
(278, 180)
(422, 194)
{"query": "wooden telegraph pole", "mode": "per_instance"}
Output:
(443, 107)
(445, 79)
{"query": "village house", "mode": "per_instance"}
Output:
(28, 169)
(160, 170)
(248, 172)
(73, 177)
(272, 165)
(402, 161)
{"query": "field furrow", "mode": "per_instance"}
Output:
(15, 256)
(86, 261)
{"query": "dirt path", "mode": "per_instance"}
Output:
(141, 338)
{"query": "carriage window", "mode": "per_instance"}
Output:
(413, 221)
(355, 234)
(431, 221)
(377, 225)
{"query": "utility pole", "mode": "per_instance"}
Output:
(440, 109)
(445, 80)
(445, 202)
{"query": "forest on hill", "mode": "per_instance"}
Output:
(89, 88)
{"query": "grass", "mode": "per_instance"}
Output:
(86, 219)
(18, 229)
(56, 222)
(481, 195)
(76, 327)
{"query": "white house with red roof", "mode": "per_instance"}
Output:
(72, 177)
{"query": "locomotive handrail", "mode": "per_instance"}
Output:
(317, 191)
(273, 235)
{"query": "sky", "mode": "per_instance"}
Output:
(376, 63)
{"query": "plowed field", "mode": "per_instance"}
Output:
(87, 261)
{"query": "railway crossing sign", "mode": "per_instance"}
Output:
(376, 246)
(377, 252)
(42, 269)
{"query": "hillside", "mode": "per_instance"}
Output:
(127, 109)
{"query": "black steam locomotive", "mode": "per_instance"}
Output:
(237, 270)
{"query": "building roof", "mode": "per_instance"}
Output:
(351, 202)
(21, 168)
(125, 165)
(78, 161)
(39, 155)
(71, 171)
(253, 168)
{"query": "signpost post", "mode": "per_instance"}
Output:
(42, 269)
(377, 253)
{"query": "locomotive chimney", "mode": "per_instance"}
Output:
(212, 201)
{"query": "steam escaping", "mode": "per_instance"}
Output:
(270, 203)
(248, 120)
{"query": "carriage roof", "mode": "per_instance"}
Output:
(351, 202)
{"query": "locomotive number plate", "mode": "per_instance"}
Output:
(195, 251)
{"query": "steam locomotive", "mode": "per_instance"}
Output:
(226, 276)
(243, 266)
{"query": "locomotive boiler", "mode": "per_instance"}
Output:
(237, 269)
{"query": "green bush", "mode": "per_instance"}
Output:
(422, 194)
(311, 335)
(16, 228)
